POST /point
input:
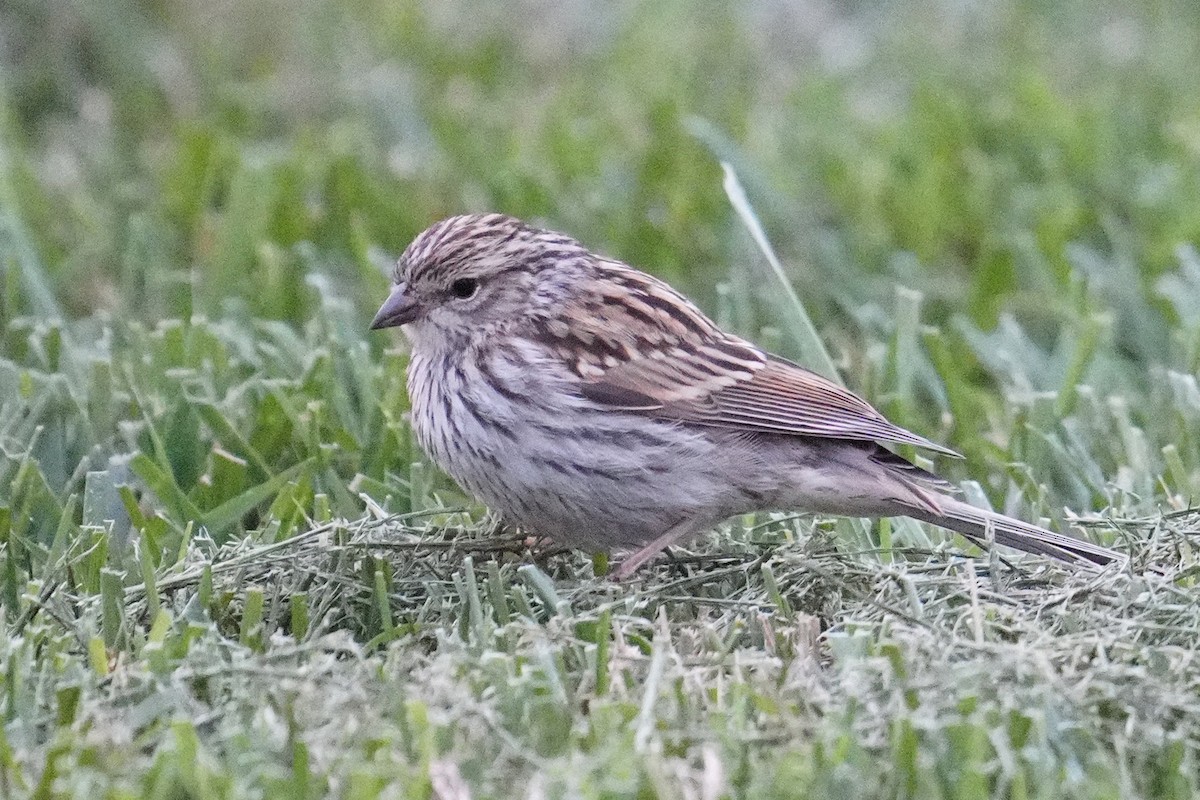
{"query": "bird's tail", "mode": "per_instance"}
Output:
(983, 527)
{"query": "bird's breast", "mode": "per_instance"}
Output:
(515, 435)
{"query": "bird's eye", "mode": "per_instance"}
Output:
(464, 288)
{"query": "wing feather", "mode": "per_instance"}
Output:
(637, 345)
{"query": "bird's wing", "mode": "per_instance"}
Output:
(637, 345)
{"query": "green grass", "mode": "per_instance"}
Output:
(227, 571)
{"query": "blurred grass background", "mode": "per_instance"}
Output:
(991, 211)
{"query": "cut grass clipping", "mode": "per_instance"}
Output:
(402, 649)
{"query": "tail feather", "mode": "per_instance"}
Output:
(983, 527)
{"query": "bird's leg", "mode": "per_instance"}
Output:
(542, 548)
(639, 557)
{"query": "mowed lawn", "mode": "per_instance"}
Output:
(227, 571)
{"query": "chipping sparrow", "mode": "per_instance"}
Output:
(593, 404)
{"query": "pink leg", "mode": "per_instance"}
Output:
(639, 557)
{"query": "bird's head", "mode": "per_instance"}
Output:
(471, 275)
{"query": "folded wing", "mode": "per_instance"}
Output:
(637, 345)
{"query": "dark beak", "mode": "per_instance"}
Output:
(398, 309)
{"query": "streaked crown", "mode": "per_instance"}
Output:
(482, 244)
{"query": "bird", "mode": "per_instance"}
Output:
(592, 404)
